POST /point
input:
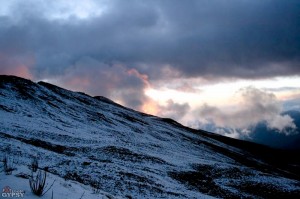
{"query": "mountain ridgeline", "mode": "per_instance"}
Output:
(97, 142)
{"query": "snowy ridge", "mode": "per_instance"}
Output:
(128, 153)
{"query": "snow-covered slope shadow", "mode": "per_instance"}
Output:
(125, 153)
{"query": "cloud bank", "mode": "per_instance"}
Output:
(112, 80)
(254, 106)
(174, 110)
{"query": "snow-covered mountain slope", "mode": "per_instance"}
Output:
(125, 153)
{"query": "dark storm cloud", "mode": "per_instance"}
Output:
(246, 39)
(239, 38)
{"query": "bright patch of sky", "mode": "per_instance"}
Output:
(224, 93)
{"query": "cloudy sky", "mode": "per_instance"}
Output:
(231, 63)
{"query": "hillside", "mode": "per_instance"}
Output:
(129, 154)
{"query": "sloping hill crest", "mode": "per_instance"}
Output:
(98, 142)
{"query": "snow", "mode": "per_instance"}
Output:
(61, 188)
(128, 153)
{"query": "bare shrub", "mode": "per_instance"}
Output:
(34, 164)
(37, 183)
(96, 186)
(8, 165)
(82, 195)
